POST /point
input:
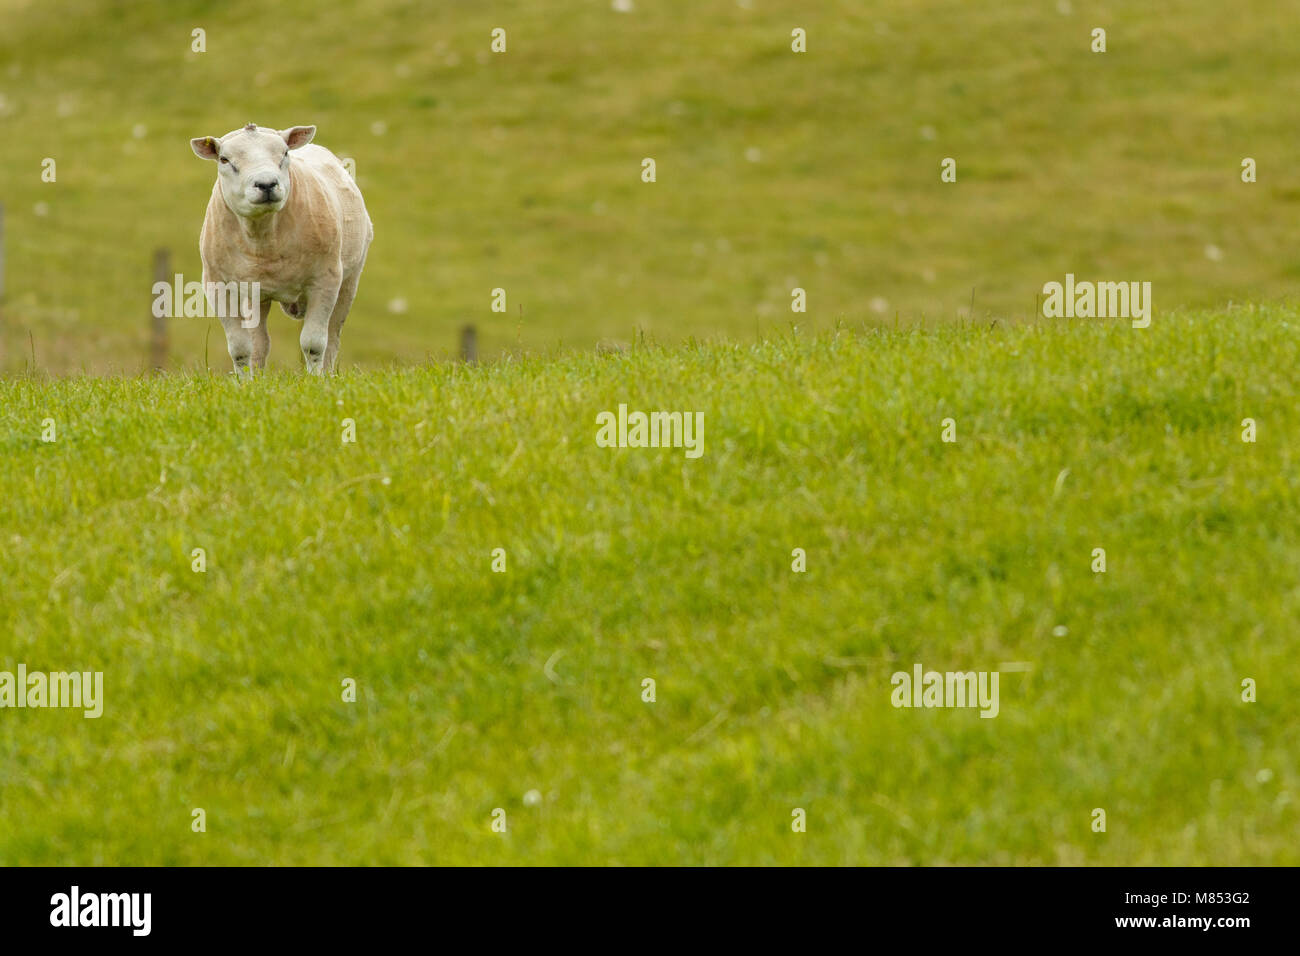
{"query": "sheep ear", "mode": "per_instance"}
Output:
(296, 136)
(205, 147)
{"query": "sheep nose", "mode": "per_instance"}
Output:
(266, 185)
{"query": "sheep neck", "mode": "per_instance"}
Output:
(262, 230)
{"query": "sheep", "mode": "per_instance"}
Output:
(286, 219)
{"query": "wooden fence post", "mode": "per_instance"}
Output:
(2, 252)
(469, 344)
(4, 333)
(158, 347)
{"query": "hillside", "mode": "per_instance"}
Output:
(775, 170)
(523, 690)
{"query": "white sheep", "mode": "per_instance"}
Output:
(287, 216)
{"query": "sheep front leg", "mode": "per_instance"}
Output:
(315, 335)
(239, 343)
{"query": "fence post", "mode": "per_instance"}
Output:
(4, 333)
(469, 344)
(2, 252)
(158, 348)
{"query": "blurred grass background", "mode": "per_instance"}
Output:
(775, 170)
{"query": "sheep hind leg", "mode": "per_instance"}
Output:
(347, 292)
(314, 338)
(262, 337)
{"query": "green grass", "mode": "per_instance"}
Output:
(372, 561)
(521, 170)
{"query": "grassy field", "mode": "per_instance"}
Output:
(775, 170)
(522, 690)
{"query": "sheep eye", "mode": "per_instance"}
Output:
(224, 161)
